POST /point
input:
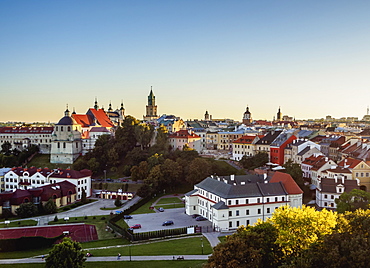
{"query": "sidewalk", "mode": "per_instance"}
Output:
(113, 258)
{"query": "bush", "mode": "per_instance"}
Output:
(66, 208)
(94, 218)
(85, 217)
(102, 218)
(56, 218)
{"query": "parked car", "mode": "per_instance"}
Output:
(200, 218)
(136, 226)
(167, 223)
(118, 211)
(126, 217)
(161, 209)
(195, 215)
(124, 180)
(109, 179)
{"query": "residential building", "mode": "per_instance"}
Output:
(330, 189)
(263, 145)
(183, 138)
(231, 201)
(278, 145)
(28, 178)
(360, 170)
(319, 167)
(299, 150)
(244, 146)
(62, 193)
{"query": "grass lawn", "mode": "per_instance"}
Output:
(23, 254)
(105, 243)
(145, 208)
(43, 160)
(222, 238)
(127, 264)
(99, 222)
(169, 200)
(19, 224)
(183, 246)
(181, 205)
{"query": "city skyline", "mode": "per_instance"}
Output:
(309, 58)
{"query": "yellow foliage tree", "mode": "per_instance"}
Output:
(298, 228)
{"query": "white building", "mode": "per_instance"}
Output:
(183, 138)
(28, 178)
(331, 189)
(228, 202)
(244, 146)
(22, 137)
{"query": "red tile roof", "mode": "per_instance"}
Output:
(26, 130)
(245, 139)
(350, 162)
(101, 117)
(82, 119)
(290, 185)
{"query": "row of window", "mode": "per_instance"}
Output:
(267, 200)
(247, 212)
(247, 222)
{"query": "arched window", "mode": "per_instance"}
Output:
(58, 145)
(69, 128)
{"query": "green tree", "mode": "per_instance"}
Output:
(144, 191)
(144, 134)
(50, 207)
(162, 145)
(171, 171)
(117, 203)
(93, 165)
(248, 247)
(68, 253)
(298, 228)
(155, 178)
(83, 196)
(140, 172)
(252, 162)
(198, 170)
(353, 200)
(6, 148)
(294, 170)
(27, 210)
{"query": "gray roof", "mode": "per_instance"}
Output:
(191, 192)
(242, 186)
(220, 205)
(305, 150)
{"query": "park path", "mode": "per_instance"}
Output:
(113, 258)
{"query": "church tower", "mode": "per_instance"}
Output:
(247, 117)
(66, 143)
(279, 115)
(151, 108)
(206, 116)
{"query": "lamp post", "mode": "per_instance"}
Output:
(202, 243)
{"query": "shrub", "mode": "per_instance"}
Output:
(56, 218)
(85, 217)
(103, 218)
(94, 218)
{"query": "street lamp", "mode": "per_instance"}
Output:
(202, 243)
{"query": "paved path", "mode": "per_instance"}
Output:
(112, 258)
(212, 238)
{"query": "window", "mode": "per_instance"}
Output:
(267, 200)
(230, 213)
(246, 201)
(325, 204)
(332, 197)
(247, 222)
(259, 211)
(247, 212)
(268, 210)
(236, 202)
(258, 200)
(237, 213)
(326, 196)
(237, 223)
(61, 128)
(58, 145)
(193, 207)
(64, 145)
(283, 198)
(230, 224)
(229, 202)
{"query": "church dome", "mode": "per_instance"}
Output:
(67, 120)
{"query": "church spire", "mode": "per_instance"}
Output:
(66, 112)
(96, 107)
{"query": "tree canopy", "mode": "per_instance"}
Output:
(68, 253)
(353, 200)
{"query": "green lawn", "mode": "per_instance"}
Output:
(99, 222)
(43, 160)
(104, 243)
(184, 246)
(19, 224)
(181, 205)
(169, 200)
(145, 208)
(127, 264)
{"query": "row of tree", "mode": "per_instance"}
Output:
(13, 157)
(299, 237)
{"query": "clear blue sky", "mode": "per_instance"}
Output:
(312, 58)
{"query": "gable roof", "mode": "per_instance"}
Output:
(330, 185)
(101, 117)
(289, 184)
(349, 162)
